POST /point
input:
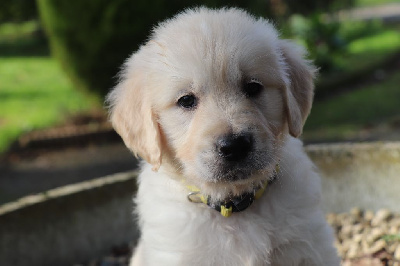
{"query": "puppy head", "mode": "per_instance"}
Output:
(212, 95)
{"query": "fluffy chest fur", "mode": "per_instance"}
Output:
(284, 222)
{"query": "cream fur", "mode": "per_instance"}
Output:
(211, 54)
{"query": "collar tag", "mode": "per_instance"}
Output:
(226, 212)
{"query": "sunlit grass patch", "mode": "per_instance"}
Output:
(34, 93)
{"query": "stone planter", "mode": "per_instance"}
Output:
(366, 175)
(80, 222)
(71, 224)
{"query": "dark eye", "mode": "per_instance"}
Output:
(188, 101)
(252, 88)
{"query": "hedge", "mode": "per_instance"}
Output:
(17, 10)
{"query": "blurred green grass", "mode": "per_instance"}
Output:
(371, 50)
(34, 91)
(361, 56)
(382, 43)
(365, 3)
(11, 30)
(343, 116)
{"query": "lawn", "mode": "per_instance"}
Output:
(344, 116)
(34, 91)
(371, 49)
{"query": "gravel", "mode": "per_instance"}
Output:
(362, 238)
(367, 237)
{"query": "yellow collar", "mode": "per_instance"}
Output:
(232, 204)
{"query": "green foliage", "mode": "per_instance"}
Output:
(360, 58)
(351, 30)
(92, 38)
(320, 36)
(391, 238)
(17, 10)
(329, 41)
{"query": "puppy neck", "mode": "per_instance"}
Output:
(232, 203)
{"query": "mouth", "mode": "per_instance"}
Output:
(244, 171)
(231, 175)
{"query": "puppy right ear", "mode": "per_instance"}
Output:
(132, 116)
(299, 89)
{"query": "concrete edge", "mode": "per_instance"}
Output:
(69, 225)
(64, 191)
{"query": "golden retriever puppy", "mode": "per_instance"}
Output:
(213, 103)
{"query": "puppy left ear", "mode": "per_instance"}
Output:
(299, 89)
(132, 117)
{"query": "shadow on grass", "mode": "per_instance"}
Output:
(35, 44)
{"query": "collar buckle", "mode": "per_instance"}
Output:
(196, 197)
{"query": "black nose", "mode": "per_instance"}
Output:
(235, 147)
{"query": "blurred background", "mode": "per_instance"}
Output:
(59, 58)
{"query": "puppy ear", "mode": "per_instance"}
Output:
(132, 116)
(299, 89)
